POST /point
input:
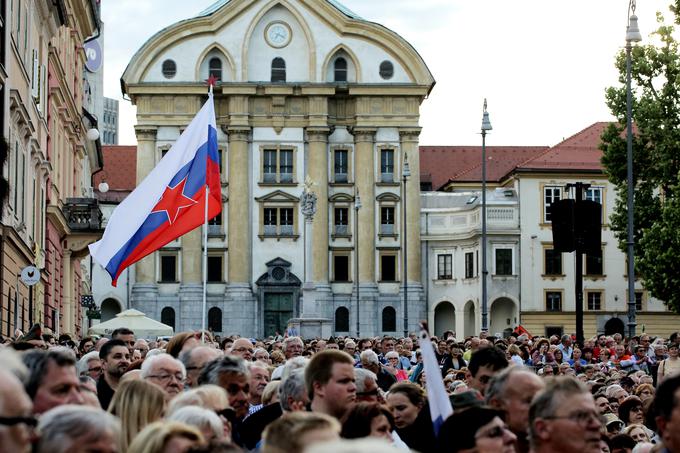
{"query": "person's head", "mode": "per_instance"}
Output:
(259, 378)
(621, 443)
(261, 355)
(127, 336)
(206, 421)
(638, 432)
(292, 347)
(630, 410)
(78, 429)
(368, 420)
(194, 360)
(329, 378)
(162, 437)
(270, 394)
(52, 380)
(566, 340)
(512, 391)
(210, 397)
(16, 420)
(369, 360)
(181, 342)
(479, 429)
(293, 392)
(166, 372)
(484, 364)
(405, 399)
(350, 347)
(243, 348)
(387, 344)
(667, 412)
(295, 431)
(142, 346)
(86, 345)
(231, 373)
(563, 418)
(367, 386)
(115, 358)
(602, 404)
(90, 365)
(136, 403)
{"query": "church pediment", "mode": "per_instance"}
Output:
(278, 274)
(278, 196)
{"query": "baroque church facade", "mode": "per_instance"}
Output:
(308, 95)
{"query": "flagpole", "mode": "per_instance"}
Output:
(205, 248)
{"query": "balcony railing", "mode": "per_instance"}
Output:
(341, 230)
(340, 177)
(83, 214)
(387, 228)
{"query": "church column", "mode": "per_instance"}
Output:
(146, 161)
(318, 172)
(409, 147)
(238, 218)
(364, 170)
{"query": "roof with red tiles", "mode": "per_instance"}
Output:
(120, 168)
(443, 164)
(578, 152)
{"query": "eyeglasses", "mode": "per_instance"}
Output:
(495, 432)
(614, 427)
(243, 350)
(374, 392)
(636, 409)
(11, 421)
(581, 417)
(97, 369)
(168, 377)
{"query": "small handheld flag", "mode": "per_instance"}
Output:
(440, 405)
(169, 202)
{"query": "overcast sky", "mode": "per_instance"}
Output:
(542, 64)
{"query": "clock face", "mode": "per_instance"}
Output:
(277, 34)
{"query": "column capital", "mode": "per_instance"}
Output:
(318, 134)
(410, 134)
(237, 133)
(144, 133)
(363, 134)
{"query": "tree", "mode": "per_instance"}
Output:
(655, 76)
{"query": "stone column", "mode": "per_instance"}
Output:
(364, 175)
(238, 215)
(146, 161)
(318, 172)
(409, 147)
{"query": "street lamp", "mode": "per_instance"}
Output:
(486, 126)
(405, 174)
(632, 35)
(357, 206)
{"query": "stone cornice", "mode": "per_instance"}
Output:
(410, 134)
(363, 134)
(237, 133)
(145, 132)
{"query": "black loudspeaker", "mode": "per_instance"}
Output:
(588, 227)
(562, 216)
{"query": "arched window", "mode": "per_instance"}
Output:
(342, 320)
(168, 316)
(169, 69)
(340, 67)
(215, 319)
(278, 70)
(215, 68)
(386, 69)
(389, 320)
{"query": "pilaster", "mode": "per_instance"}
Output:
(239, 264)
(318, 172)
(409, 147)
(364, 167)
(146, 161)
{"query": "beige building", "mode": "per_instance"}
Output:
(45, 127)
(307, 91)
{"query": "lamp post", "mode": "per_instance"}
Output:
(405, 174)
(357, 206)
(486, 126)
(632, 35)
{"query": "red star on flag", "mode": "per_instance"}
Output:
(173, 200)
(212, 80)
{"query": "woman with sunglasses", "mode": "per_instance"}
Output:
(476, 430)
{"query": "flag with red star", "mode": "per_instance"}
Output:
(169, 202)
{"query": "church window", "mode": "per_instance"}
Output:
(169, 69)
(340, 67)
(278, 70)
(386, 70)
(215, 68)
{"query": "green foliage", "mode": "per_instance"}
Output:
(655, 76)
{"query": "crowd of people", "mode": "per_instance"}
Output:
(196, 392)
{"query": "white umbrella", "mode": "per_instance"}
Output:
(134, 320)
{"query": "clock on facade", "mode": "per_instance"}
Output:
(277, 34)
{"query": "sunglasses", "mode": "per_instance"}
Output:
(11, 421)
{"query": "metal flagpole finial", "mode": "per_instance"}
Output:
(484, 111)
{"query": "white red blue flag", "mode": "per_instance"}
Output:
(440, 405)
(169, 202)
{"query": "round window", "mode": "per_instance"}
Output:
(169, 69)
(386, 69)
(278, 273)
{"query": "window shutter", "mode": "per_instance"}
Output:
(35, 90)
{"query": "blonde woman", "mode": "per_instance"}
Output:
(162, 437)
(208, 396)
(136, 403)
(669, 366)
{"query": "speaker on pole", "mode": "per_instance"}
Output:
(562, 216)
